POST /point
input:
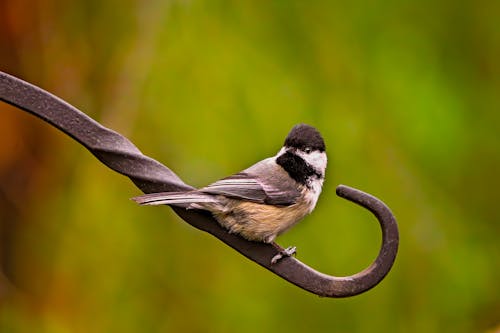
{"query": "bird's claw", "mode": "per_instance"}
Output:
(288, 252)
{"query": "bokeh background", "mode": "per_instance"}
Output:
(406, 94)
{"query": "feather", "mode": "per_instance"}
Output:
(264, 182)
(173, 198)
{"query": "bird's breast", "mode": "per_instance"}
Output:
(261, 222)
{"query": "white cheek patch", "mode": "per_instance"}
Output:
(281, 152)
(316, 159)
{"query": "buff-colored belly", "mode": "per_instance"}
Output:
(258, 222)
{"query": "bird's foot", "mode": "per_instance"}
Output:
(288, 252)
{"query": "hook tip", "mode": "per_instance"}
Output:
(342, 190)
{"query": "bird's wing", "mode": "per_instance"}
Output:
(264, 182)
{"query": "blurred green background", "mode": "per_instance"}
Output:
(406, 94)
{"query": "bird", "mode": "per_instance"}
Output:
(266, 199)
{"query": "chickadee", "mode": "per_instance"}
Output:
(265, 200)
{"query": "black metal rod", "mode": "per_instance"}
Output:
(149, 175)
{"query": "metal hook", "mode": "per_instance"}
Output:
(119, 154)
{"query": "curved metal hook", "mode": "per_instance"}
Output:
(118, 153)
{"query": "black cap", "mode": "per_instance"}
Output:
(303, 136)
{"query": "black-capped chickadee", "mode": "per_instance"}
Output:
(265, 200)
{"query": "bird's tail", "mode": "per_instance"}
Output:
(181, 199)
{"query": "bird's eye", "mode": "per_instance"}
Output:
(308, 150)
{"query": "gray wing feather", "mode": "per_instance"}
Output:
(264, 182)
